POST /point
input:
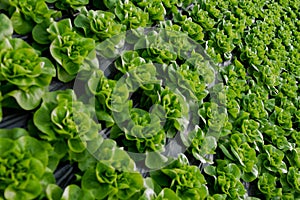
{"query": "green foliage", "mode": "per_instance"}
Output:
(65, 121)
(185, 180)
(24, 74)
(67, 4)
(233, 105)
(26, 14)
(23, 165)
(106, 182)
(102, 88)
(6, 28)
(72, 52)
(130, 15)
(98, 24)
(227, 177)
(112, 175)
(267, 185)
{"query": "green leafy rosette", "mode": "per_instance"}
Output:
(130, 15)
(72, 52)
(98, 24)
(24, 74)
(26, 14)
(67, 123)
(24, 172)
(101, 87)
(185, 180)
(111, 174)
(226, 178)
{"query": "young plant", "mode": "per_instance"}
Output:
(64, 121)
(24, 171)
(24, 74)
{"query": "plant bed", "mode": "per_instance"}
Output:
(149, 99)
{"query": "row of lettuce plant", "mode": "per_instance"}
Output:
(255, 45)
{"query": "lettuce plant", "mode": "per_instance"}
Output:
(288, 86)
(155, 9)
(290, 183)
(146, 134)
(293, 176)
(112, 175)
(193, 29)
(72, 52)
(26, 14)
(282, 117)
(174, 111)
(296, 137)
(157, 50)
(226, 178)
(254, 106)
(98, 24)
(202, 17)
(185, 180)
(214, 118)
(267, 185)
(245, 155)
(251, 130)
(201, 146)
(101, 88)
(129, 61)
(272, 159)
(64, 121)
(24, 171)
(24, 74)
(279, 140)
(130, 15)
(106, 182)
(198, 74)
